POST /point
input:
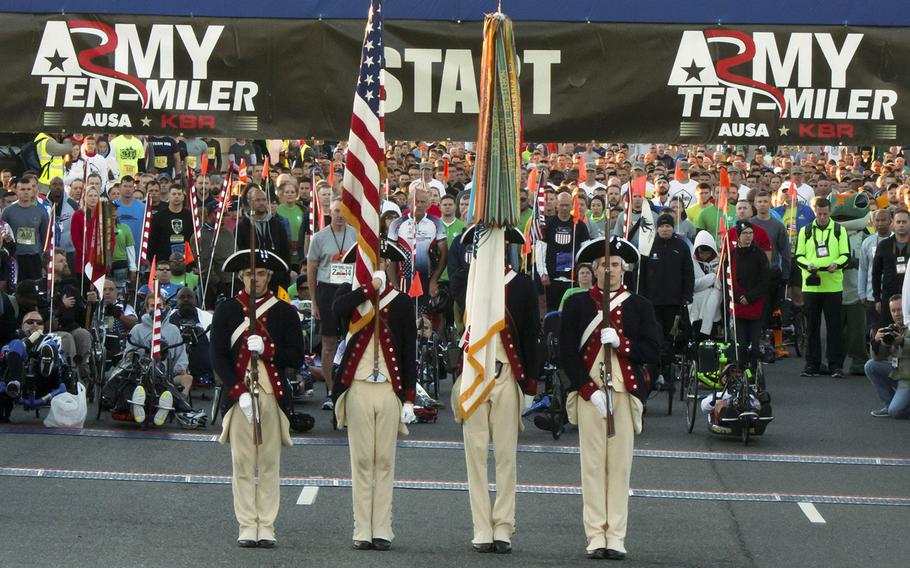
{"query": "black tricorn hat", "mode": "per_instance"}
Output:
(593, 249)
(513, 235)
(240, 260)
(387, 249)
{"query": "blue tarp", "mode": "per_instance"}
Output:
(800, 12)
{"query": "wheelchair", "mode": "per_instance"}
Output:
(549, 406)
(746, 408)
(42, 374)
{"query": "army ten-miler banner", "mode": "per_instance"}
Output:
(282, 78)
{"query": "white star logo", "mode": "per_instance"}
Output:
(783, 130)
(368, 61)
(369, 80)
(369, 45)
(370, 26)
(369, 96)
(146, 121)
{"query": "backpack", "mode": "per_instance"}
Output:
(811, 234)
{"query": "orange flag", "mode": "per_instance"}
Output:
(416, 289)
(677, 173)
(640, 186)
(576, 209)
(792, 191)
(265, 169)
(724, 178)
(445, 169)
(242, 175)
(526, 247)
(332, 175)
(532, 184)
(582, 171)
(724, 201)
(152, 274)
(205, 163)
(188, 256)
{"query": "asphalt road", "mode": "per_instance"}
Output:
(828, 485)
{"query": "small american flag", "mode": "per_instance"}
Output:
(51, 247)
(194, 206)
(156, 327)
(365, 162)
(146, 229)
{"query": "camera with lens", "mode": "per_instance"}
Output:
(891, 333)
(813, 279)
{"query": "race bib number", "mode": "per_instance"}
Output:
(26, 235)
(130, 169)
(211, 153)
(160, 162)
(340, 273)
(191, 161)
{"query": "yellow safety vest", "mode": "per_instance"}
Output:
(51, 166)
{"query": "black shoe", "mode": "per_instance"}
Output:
(614, 554)
(267, 543)
(362, 545)
(836, 373)
(381, 544)
(809, 372)
(483, 547)
(597, 554)
(502, 547)
(246, 543)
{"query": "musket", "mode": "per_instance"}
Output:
(253, 373)
(606, 367)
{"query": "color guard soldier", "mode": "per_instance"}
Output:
(633, 334)
(278, 342)
(498, 419)
(374, 397)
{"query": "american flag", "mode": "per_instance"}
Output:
(156, 326)
(146, 229)
(537, 185)
(365, 163)
(194, 206)
(50, 247)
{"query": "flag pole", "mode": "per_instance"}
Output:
(225, 201)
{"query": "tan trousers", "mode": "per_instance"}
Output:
(372, 412)
(496, 418)
(605, 470)
(256, 506)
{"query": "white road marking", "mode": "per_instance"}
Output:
(812, 513)
(307, 495)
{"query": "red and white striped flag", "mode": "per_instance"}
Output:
(365, 163)
(155, 352)
(146, 229)
(50, 247)
(194, 207)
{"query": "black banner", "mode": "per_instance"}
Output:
(295, 78)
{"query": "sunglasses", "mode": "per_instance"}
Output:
(164, 268)
(34, 322)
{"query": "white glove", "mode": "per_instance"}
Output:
(407, 413)
(599, 400)
(34, 337)
(608, 336)
(246, 406)
(381, 275)
(255, 345)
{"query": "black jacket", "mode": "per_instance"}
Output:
(283, 326)
(667, 276)
(885, 279)
(401, 322)
(521, 316)
(273, 238)
(639, 326)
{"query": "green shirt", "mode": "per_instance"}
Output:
(294, 215)
(188, 279)
(123, 238)
(452, 231)
(708, 219)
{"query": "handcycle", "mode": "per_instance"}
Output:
(550, 406)
(138, 369)
(745, 409)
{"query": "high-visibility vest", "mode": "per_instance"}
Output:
(51, 166)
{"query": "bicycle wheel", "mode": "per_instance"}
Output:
(691, 399)
(434, 364)
(799, 333)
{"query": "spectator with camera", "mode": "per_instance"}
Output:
(889, 368)
(193, 324)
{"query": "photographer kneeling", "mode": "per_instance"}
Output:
(889, 368)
